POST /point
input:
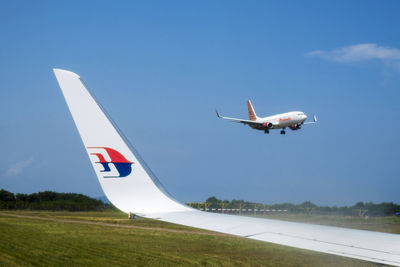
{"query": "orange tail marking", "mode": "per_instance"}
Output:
(252, 114)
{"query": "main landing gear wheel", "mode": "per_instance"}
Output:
(283, 132)
(266, 131)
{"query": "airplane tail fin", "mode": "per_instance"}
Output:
(252, 113)
(123, 175)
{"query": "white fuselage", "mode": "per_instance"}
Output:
(283, 120)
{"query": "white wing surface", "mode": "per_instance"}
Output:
(131, 187)
(248, 122)
(312, 122)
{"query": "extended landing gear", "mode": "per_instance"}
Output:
(266, 131)
(283, 131)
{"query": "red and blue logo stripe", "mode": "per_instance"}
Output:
(123, 166)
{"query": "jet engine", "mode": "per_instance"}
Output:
(295, 127)
(267, 125)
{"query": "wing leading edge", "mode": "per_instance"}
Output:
(248, 122)
(138, 191)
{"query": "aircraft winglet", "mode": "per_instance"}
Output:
(137, 191)
(131, 188)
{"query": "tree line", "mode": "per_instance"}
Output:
(54, 201)
(49, 200)
(358, 209)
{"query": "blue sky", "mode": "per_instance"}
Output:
(160, 68)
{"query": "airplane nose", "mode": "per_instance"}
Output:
(305, 116)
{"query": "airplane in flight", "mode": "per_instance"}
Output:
(293, 120)
(132, 187)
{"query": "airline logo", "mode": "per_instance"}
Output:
(284, 119)
(123, 166)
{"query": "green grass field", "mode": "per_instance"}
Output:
(109, 238)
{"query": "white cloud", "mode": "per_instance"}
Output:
(358, 53)
(18, 167)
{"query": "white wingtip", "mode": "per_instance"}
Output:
(65, 72)
(315, 118)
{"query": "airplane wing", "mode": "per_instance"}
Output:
(248, 122)
(311, 122)
(131, 186)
